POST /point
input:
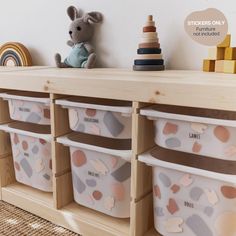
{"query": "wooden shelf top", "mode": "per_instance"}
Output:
(176, 87)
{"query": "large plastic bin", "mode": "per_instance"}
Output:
(101, 175)
(28, 107)
(31, 150)
(204, 132)
(99, 117)
(192, 196)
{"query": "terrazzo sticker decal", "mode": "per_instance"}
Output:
(165, 180)
(81, 128)
(172, 206)
(33, 118)
(78, 184)
(39, 165)
(225, 224)
(91, 112)
(97, 195)
(42, 141)
(91, 182)
(208, 211)
(46, 176)
(26, 167)
(222, 134)
(173, 225)
(198, 226)
(196, 147)
(31, 139)
(173, 143)
(186, 180)
(199, 128)
(35, 149)
(114, 162)
(170, 128)
(36, 108)
(159, 211)
(46, 153)
(109, 203)
(17, 166)
(16, 139)
(228, 192)
(211, 196)
(195, 193)
(175, 188)
(230, 151)
(74, 118)
(79, 158)
(123, 173)
(16, 152)
(99, 166)
(95, 129)
(89, 200)
(118, 191)
(157, 191)
(113, 124)
(25, 145)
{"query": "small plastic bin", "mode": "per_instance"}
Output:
(101, 175)
(204, 132)
(31, 150)
(106, 118)
(192, 196)
(28, 107)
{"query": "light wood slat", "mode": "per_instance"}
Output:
(142, 216)
(183, 88)
(74, 217)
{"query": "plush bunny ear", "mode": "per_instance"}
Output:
(93, 17)
(73, 13)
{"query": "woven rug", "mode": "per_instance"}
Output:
(14, 222)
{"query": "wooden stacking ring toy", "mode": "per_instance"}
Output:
(149, 62)
(149, 51)
(148, 67)
(14, 54)
(149, 56)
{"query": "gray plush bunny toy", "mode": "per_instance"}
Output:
(81, 32)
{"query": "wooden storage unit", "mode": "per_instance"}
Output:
(178, 88)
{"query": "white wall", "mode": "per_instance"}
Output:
(42, 26)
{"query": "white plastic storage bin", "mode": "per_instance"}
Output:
(104, 117)
(28, 107)
(31, 150)
(191, 197)
(198, 132)
(101, 176)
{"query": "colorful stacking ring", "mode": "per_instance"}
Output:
(14, 54)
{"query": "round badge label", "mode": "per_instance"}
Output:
(208, 27)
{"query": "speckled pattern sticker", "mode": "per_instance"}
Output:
(202, 139)
(32, 161)
(99, 122)
(191, 205)
(101, 182)
(32, 112)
